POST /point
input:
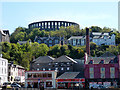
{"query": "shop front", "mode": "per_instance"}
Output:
(105, 83)
(38, 79)
(70, 83)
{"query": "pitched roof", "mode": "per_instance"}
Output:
(107, 54)
(76, 37)
(97, 60)
(43, 59)
(68, 75)
(64, 58)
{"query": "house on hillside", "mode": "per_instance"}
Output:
(97, 37)
(49, 41)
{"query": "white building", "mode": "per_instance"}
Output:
(102, 38)
(77, 40)
(3, 70)
(96, 37)
(16, 73)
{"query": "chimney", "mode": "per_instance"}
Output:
(87, 42)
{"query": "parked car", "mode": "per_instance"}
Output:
(6, 85)
(15, 85)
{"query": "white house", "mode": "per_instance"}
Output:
(97, 37)
(3, 70)
(102, 38)
(16, 73)
(77, 40)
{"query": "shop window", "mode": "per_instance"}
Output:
(34, 75)
(49, 75)
(29, 75)
(48, 84)
(44, 75)
(40, 75)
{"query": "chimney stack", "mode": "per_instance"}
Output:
(87, 42)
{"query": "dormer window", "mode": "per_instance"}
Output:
(102, 62)
(112, 61)
(91, 62)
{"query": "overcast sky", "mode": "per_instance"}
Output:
(86, 14)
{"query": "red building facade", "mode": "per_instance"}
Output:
(104, 69)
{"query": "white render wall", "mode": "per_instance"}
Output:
(3, 70)
(106, 41)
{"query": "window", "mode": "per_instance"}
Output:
(91, 72)
(39, 41)
(49, 75)
(68, 68)
(74, 42)
(43, 69)
(37, 63)
(91, 75)
(45, 41)
(68, 63)
(56, 68)
(102, 62)
(2, 70)
(62, 68)
(50, 41)
(91, 62)
(112, 61)
(112, 72)
(102, 75)
(56, 41)
(50, 45)
(37, 69)
(56, 63)
(49, 69)
(102, 71)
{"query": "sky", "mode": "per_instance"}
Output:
(86, 14)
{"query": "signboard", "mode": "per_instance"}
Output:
(68, 80)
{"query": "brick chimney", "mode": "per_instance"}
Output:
(87, 42)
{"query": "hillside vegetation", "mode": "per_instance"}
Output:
(24, 54)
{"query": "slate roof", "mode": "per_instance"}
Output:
(64, 58)
(96, 35)
(43, 59)
(107, 57)
(70, 75)
(76, 37)
(47, 38)
(107, 54)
